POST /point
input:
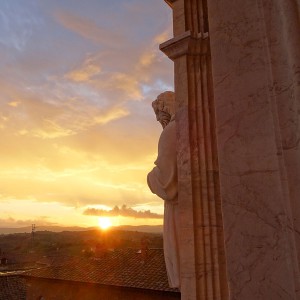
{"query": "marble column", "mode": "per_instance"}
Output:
(237, 85)
(202, 258)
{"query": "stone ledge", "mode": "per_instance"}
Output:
(185, 44)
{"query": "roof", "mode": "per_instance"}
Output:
(123, 268)
(12, 287)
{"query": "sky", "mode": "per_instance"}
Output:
(78, 134)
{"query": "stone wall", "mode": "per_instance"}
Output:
(51, 289)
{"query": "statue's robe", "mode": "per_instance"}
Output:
(163, 182)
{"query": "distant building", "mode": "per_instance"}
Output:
(4, 258)
(114, 275)
(3, 261)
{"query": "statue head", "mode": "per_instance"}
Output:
(164, 107)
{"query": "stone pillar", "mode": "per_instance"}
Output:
(237, 85)
(203, 268)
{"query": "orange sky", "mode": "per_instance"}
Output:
(77, 129)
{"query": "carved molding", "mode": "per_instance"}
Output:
(185, 44)
(170, 2)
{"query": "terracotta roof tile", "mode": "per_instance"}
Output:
(12, 287)
(124, 268)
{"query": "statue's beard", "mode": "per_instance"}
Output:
(164, 118)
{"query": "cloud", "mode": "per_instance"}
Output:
(108, 80)
(124, 85)
(120, 79)
(14, 103)
(12, 222)
(123, 211)
(55, 110)
(152, 55)
(85, 72)
(66, 175)
(88, 29)
(113, 114)
(73, 122)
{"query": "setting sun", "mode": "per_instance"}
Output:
(104, 222)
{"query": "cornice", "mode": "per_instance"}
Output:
(170, 2)
(185, 44)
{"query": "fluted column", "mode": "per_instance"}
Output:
(203, 268)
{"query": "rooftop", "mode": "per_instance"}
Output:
(123, 268)
(12, 287)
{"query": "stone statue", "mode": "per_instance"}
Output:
(163, 182)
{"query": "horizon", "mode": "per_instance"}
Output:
(57, 229)
(78, 131)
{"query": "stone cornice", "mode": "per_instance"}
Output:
(170, 2)
(185, 44)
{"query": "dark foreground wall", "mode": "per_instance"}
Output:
(67, 290)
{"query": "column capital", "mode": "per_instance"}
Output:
(185, 44)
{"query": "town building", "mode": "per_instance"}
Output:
(117, 274)
(12, 287)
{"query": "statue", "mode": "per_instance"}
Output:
(163, 182)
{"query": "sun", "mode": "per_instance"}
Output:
(104, 222)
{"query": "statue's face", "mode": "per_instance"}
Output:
(163, 118)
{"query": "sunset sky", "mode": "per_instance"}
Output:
(78, 134)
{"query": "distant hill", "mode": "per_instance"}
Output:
(141, 228)
(41, 228)
(47, 246)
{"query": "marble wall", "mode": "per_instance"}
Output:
(256, 72)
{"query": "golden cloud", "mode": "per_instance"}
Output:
(147, 58)
(164, 36)
(121, 87)
(49, 130)
(113, 114)
(14, 103)
(48, 119)
(151, 57)
(128, 84)
(84, 73)
(74, 187)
